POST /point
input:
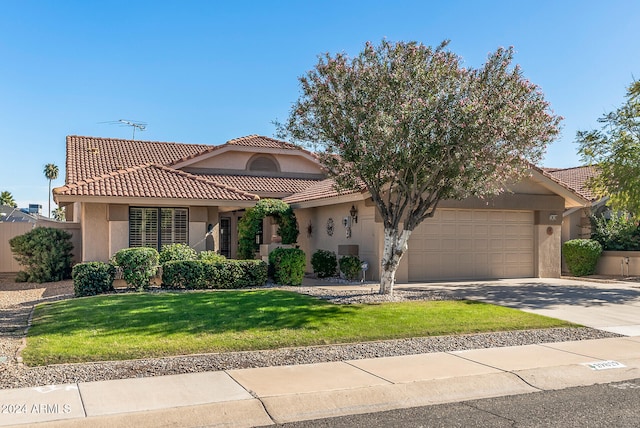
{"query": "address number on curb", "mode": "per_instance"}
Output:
(604, 365)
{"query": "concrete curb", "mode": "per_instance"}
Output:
(270, 395)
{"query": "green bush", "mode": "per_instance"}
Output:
(45, 253)
(228, 274)
(254, 272)
(189, 274)
(350, 266)
(172, 252)
(211, 257)
(92, 278)
(249, 225)
(325, 263)
(288, 265)
(618, 233)
(581, 256)
(138, 265)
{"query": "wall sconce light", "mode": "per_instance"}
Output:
(354, 213)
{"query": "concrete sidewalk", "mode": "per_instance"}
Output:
(265, 396)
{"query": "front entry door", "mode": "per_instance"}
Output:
(225, 236)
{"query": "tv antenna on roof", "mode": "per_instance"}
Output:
(135, 124)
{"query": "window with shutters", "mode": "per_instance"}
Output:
(155, 227)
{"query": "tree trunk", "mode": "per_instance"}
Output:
(395, 245)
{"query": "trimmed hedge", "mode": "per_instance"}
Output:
(138, 265)
(581, 256)
(324, 263)
(288, 265)
(198, 274)
(350, 266)
(45, 253)
(92, 278)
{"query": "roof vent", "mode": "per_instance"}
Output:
(94, 150)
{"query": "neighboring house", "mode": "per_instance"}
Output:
(576, 223)
(15, 215)
(131, 193)
(15, 222)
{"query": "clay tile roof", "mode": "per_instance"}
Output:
(153, 181)
(321, 190)
(91, 156)
(262, 184)
(575, 179)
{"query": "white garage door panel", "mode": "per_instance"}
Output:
(472, 244)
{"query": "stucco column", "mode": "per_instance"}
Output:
(548, 244)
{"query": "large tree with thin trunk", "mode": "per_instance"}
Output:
(51, 172)
(615, 152)
(416, 127)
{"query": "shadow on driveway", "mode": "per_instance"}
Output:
(536, 294)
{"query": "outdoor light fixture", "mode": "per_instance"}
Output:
(354, 213)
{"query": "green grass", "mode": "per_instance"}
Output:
(129, 326)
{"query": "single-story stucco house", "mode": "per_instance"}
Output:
(127, 193)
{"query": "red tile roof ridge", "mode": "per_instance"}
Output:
(127, 140)
(102, 177)
(125, 171)
(204, 180)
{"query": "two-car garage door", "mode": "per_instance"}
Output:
(472, 244)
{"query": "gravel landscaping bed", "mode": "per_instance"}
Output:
(17, 301)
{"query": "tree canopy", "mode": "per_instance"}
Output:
(416, 127)
(615, 151)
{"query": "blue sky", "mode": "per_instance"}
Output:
(208, 71)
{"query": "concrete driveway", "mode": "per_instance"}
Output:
(610, 306)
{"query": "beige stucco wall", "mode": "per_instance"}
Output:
(236, 160)
(547, 251)
(118, 236)
(615, 263)
(95, 232)
(365, 233)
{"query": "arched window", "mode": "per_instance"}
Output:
(263, 163)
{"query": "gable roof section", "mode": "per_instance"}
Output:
(576, 179)
(152, 181)
(248, 143)
(89, 157)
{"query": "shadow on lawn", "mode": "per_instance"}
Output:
(540, 295)
(197, 312)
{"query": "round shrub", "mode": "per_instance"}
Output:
(138, 265)
(324, 263)
(92, 278)
(45, 253)
(211, 257)
(226, 275)
(288, 265)
(581, 256)
(172, 252)
(350, 266)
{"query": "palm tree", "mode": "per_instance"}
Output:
(51, 172)
(59, 214)
(6, 198)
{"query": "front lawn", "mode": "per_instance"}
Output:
(129, 326)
